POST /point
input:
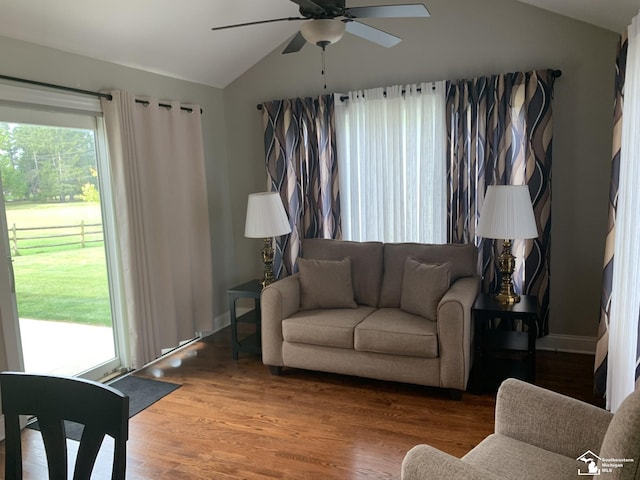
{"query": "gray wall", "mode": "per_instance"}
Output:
(24, 60)
(464, 38)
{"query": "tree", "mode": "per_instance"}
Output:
(54, 162)
(13, 181)
(89, 191)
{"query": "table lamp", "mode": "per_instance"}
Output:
(507, 214)
(266, 218)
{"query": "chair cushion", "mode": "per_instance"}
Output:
(463, 259)
(622, 440)
(395, 332)
(366, 264)
(505, 457)
(330, 328)
(325, 284)
(423, 286)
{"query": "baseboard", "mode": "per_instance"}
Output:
(567, 343)
(224, 320)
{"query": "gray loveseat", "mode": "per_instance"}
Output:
(399, 312)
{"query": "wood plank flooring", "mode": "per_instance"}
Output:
(234, 420)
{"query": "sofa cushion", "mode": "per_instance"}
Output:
(366, 264)
(329, 328)
(423, 286)
(325, 284)
(463, 259)
(395, 332)
(505, 457)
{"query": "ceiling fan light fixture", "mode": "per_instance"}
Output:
(323, 31)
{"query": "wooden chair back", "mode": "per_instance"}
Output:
(101, 409)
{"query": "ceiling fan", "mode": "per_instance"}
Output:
(327, 21)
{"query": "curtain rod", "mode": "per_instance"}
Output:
(107, 96)
(556, 74)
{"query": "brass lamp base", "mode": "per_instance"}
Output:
(267, 259)
(507, 265)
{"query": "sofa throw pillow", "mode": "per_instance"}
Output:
(325, 284)
(423, 286)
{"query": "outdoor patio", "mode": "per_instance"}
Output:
(64, 348)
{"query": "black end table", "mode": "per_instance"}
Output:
(252, 343)
(501, 349)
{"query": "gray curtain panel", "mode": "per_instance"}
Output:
(500, 133)
(602, 345)
(164, 240)
(302, 165)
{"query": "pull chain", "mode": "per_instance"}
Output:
(324, 76)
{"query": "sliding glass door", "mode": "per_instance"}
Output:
(63, 310)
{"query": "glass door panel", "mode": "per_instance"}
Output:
(52, 206)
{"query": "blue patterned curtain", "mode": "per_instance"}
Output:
(500, 133)
(301, 161)
(602, 345)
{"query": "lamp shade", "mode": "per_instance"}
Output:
(265, 216)
(323, 31)
(507, 213)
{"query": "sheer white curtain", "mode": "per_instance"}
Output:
(392, 164)
(157, 163)
(625, 289)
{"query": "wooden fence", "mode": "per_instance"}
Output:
(80, 234)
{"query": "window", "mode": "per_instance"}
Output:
(392, 161)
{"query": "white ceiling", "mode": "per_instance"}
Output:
(173, 37)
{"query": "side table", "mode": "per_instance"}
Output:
(252, 343)
(500, 350)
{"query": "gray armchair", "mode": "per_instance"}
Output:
(541, 434)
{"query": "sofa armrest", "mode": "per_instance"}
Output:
(279, 300)
(424, 462)
(455, 332)
(549, 420)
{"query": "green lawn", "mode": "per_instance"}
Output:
(39, 215)
(63, 283)
(29, 214)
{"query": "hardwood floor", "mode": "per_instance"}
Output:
(234, 420)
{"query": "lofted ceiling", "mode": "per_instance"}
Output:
(613, 15)
(164, 37)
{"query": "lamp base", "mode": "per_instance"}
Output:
(507, 264)
(507, 299)
(267, 259)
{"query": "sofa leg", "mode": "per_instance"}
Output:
(275, 370)
(455, 394)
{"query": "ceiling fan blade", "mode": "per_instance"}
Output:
(374, 35)
(296, 43)
(257, 23)
(388, 11)
(309, 5)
